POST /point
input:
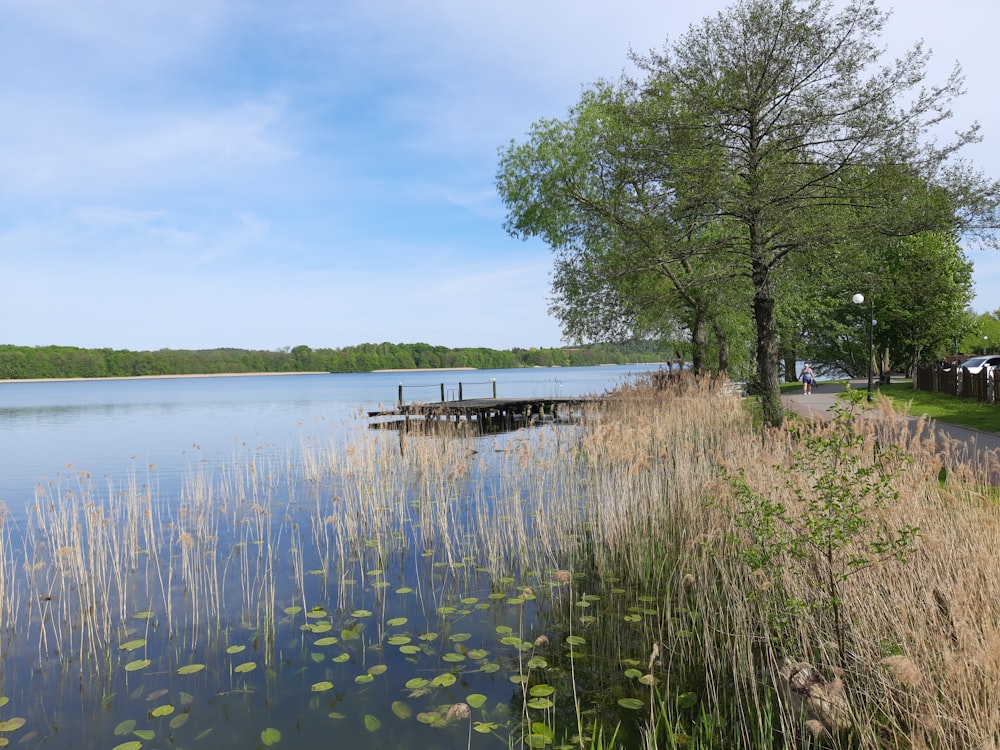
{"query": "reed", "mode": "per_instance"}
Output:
(921, 634)
(718, 611)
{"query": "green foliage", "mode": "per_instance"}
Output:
(921, 287)
(23, 362)
(767, 140)
(982, 335)
(834, 532)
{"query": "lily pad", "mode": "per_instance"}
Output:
(179, 720)
(686, 700)
(190, 668)
(270, 736)
(445, 679)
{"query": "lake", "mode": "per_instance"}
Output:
(240, 561)
(108, 427)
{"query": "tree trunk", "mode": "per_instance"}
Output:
(698, 347)
(789, 359)
(767, 340)
(723, 341)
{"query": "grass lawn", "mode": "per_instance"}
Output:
(966, 412)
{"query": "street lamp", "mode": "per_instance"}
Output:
(859, 299)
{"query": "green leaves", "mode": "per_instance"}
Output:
(270, 736)
(824, 524)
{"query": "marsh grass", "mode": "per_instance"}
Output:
(601, 567)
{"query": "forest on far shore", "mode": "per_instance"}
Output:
(26, 362)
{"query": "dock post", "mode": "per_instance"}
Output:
(494, 387)
(400, 395)
(459, 391)
(442, 393)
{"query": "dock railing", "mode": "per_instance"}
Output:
(456, 395)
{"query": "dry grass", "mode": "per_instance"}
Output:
(638, 493)
(923, 657)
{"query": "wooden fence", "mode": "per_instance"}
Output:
(955, 380)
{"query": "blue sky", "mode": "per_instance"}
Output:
(253, 174)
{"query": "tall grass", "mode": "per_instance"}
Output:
(629, 531)
(923, 634)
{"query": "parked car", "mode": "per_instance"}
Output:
(976, 364)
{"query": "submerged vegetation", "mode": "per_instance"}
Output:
(663, 575)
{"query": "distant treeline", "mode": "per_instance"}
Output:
(22, 362)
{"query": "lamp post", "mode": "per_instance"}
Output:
(859, 299)
(986, 344)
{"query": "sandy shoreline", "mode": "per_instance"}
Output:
(426, 369)
(161, 377)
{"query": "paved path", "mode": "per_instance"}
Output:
(824, 395)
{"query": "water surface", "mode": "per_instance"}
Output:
(109, 427)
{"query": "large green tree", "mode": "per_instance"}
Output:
(917, 289)
(772, 130)
(982, 335)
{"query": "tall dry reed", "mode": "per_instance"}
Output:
(922, 632)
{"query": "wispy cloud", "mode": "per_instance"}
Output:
(180, 173)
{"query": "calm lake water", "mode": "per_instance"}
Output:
(223, 562)
(108, 427)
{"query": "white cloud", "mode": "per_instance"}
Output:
(222, 173)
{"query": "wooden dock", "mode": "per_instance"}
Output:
(482, 412)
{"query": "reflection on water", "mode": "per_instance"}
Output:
(107, 427)
(397, 598)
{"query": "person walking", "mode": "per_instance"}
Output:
(808, 377)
